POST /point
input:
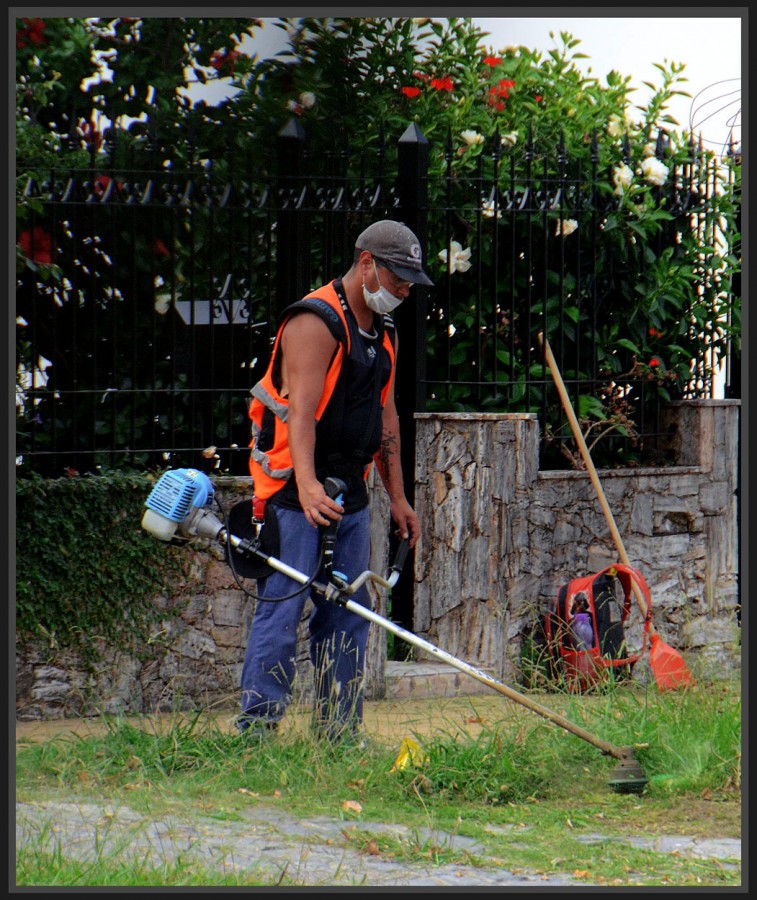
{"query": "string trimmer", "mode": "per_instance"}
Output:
(178, 508)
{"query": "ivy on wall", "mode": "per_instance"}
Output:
(86, 572)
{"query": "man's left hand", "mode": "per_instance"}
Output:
(407, 521)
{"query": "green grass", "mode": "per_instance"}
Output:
(526, 789)
(35, 867)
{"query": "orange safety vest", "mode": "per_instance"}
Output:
(271, 466)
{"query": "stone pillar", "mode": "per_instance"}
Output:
(707, 432)
(473, 474)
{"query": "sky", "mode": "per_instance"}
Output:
(709, 46)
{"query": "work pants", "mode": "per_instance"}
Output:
(338, 637)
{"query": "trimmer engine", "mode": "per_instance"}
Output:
(176, 502)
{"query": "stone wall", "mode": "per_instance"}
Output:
(498, 538)
(196, 654)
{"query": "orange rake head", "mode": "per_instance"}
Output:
(670, 671)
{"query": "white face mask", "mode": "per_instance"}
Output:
(380, 301)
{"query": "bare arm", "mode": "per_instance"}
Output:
(389, 467)
(307, 347)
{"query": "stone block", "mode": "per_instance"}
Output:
(227, 636)
(218, 577)
(228, 608)
(196, 609)
(421, 680)
(194, 643)
(705, 631)
(47, 690)
(641, 514)
(714, 498)
(169, 667)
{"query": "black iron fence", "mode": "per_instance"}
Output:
(140, 346)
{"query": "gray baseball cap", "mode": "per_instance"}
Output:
(395, 246)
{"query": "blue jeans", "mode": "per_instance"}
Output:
(338, 637)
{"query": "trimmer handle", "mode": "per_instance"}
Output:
(335, 488)
(401, 555)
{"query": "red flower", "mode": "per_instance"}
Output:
(224, 59)
(538, 98)
(654, 362)
(32, 33)
(411, 92)
(160, 249)
(492, 60)
(653, 332)
(37, 245)
(442, 84)
(503, 87)
(500, 92)
(420, 75)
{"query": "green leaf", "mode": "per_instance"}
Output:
(589, 405)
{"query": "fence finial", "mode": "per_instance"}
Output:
(293, 130)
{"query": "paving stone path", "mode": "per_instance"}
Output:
(314, 852)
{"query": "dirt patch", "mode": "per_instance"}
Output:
(385, 720)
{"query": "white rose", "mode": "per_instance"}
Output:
(566, 227)
(622, 178)
(615, 126)
(510, 139)
(654, 171)
(459, 259)
(307, 99)
(472, 138)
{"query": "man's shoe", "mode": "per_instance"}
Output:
(250, 727)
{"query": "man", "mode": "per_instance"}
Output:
(325, 407)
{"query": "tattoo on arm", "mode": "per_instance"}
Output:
(388, 449)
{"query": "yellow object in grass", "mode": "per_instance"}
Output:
(410, 755)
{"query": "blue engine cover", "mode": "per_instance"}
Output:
(177, 491)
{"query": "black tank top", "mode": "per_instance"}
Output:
(343, 444)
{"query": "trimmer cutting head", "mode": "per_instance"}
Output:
(628, 777)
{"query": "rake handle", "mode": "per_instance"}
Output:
(586, 456)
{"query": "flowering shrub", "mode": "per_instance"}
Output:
(510, 110)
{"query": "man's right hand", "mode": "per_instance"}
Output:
(318, 507)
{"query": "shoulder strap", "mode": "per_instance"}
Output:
(389, 327)
(326, 311)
